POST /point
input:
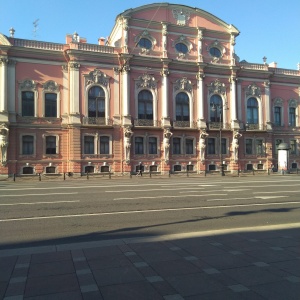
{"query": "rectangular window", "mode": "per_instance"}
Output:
(224, 146)
(259, 147)
(89, 144)
(152, 145)
(277, 115)
(104, 144)
(51, 105)
(50, 144)
(189, 146)
(211, 146)
(293, 147)
(176, 146)
(27, 104)
(27, 145)
(249, 146)
(292, 116)
(139, 145)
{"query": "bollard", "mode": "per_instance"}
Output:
(150, 174)
(253, 171)
(64, 176)
(14, 177)
(169, 173)
(187, 173)
(87, 175)
(40, 177)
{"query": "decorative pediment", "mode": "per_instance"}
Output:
(278, 102)
(51, 86)
(217, 87)
(183, 84)
(253, 90)
(146, 81)
(28, 84)
(181, 15)
(96, 77)
(293, 103)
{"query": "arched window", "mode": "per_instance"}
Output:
(96, 102)
(215, 104)
(182, 107)
(145, 43)
(252, 111)
(292, 116)
(181, 48)
(145, 105)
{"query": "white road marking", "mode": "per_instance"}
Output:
(269, 197)
(150, 190)
(36, 203)
(149, 211)
(236, 190)
(276, 192)
(159, 197)
(48, 194)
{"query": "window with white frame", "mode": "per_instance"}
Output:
(27, 104)
(182, 107)
(27, 146)
(211, 146)
(152, 145)
(51, 144)
(104, 144)
(89, 144)
(139, 145)
(215, 103)
(293, 146)
(176, 146)
(259, 147)
(277, 115)
(249, 146)
(189, 146)
(96, 102)
(252, 111)
(50, 105)
(145, 105)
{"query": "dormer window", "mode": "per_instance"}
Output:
(145, 43)
(181, 48)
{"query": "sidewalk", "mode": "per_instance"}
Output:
(253, 263)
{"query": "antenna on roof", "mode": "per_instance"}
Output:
(35, 27)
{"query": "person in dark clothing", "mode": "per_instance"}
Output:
(140, 169)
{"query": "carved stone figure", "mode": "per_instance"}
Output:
(203, 136)
(3, 143)
(235, 144)
(167, 136)
(127, 145)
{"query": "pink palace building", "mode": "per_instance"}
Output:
(165, 89)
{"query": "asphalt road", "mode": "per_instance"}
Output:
(39, 213)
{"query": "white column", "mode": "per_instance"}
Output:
(233, 99)
(267, 102)
(126, 92)
(232, 43)
(65, 94)
(74, 92)
(239, 98)
(165, 99)
(164, 39)
(200, 37)
(200, 101)
(3, 85)
(11, 90)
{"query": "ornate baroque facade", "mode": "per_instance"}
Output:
(166, 89)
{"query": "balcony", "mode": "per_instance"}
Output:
(146, 123)
(218, 126)
(97, 121)
(184, 124)
(255, 127)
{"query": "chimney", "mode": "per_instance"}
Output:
(101, 41)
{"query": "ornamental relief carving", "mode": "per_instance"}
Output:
(293, 103)
(96, 77)
(28, 84)
(51, 86)
(217, 87)
(183, 84)
(146, 81)
(182, 16)
(253, 90)
(278, 102)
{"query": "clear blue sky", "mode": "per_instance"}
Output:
(268, 27)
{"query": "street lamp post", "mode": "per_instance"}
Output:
(215, 108)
